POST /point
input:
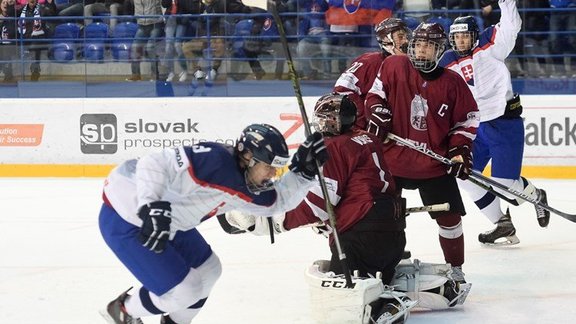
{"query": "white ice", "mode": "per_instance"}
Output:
(55, 267)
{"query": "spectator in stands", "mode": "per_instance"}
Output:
(8, 38)
(33, 29)
(215, 27)
(562, 44)
(112, 7)
(536, 45)
(175, 31)
(150, 27)
(72, 8)
(314, 38)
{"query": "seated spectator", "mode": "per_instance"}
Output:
(8, 38)
(32, 28)
(99, 7)
(216, 25)
(150, 27)
(314, 39)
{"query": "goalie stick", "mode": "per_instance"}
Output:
(483, 181)
(308, 131)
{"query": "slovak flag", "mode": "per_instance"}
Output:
(358, 12)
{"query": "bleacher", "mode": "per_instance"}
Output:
(93, 60)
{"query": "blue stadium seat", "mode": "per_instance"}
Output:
(122, 40)
(95, 35)
(444, 21)
(411, 22)
(64, 42)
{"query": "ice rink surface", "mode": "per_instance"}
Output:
(55, 267)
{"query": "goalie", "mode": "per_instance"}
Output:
(369, 214)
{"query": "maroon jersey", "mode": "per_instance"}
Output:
(355, 174)
(435, 114)
(357, 80)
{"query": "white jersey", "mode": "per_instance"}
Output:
(200, 182)
(484, 70)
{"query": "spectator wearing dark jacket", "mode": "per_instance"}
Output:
(7, 38)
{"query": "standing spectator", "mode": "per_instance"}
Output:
(150, 26)
(479, 59)
(33, 29)
(313, 35)
(392, 35)
(175, 31)
(414, 98)
(562, 44)
(7, 38)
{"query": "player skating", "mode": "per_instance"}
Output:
(153, 205)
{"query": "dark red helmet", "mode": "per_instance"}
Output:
(385, 35)
(430, 35)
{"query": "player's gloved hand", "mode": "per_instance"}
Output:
(322, 229)
(461, 158)
(256, 225)
(312, 150)
(380, 122)
(155, 231)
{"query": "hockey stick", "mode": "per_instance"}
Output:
(429, 208)
(483, 181)
(308, 131)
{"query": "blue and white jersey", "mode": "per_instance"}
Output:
(484, 70)
(199, 181)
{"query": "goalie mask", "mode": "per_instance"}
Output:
(334, 114)
(427, 46)
(393, 35)
(268, 146)
(464, 35)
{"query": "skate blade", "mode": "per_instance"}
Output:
(504, 241)
(463, 293)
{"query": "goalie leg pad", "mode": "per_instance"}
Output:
(332, 302)
(430, 284)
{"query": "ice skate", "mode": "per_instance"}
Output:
(115, 313)
(542, 214)
(456, 292)
(392, 307)
(503, 234)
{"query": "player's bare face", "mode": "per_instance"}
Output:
(424, 50)
(463, 41)
(261, 172)
(400, 38)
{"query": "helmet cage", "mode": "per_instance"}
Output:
(464, 25)
(433, 35)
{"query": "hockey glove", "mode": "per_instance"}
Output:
(155, 231)
(312, 150)
(380, 122)
(461, 158)
(256, 225)
(322, 228)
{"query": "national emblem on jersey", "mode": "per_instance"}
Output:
(468, 73)
(351, 6)
(418, 112)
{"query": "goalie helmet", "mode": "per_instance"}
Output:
(464, 26)
(267, 145)
(392, 33)
(427, 46)
(334, 114)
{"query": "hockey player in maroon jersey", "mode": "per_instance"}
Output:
(416, 99)
(392, 35)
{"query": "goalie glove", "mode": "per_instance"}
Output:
(256, 225)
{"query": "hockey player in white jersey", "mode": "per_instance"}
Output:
(153, 205)
(479, 59)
